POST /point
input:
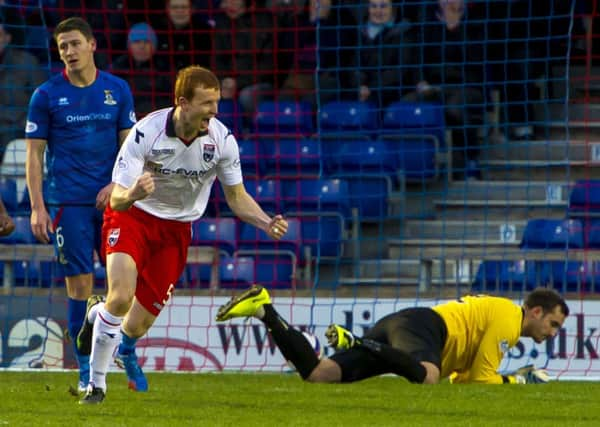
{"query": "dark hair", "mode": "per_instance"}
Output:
(189, 78)
(74, 24)
(547, 299)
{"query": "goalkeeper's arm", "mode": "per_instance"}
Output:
(527, 375)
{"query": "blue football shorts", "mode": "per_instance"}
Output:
(77, 231)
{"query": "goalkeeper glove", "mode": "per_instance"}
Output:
(530, 375)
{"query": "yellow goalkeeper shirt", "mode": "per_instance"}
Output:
(480, 330)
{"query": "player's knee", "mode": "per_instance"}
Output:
(327, 371)
(432, 375)
(119, 302)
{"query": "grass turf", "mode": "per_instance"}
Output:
(43, 399)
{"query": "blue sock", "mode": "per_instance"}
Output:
(75, 317)
(127, 345)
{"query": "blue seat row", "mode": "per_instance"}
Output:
(337, 154)
(323, 234)
(367, 193)
(517, 275)
(275, 272)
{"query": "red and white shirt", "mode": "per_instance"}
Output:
(183, 171)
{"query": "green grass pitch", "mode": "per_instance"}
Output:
(43, 399)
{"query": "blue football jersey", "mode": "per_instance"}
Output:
(81, 127)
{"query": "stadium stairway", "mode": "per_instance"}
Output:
(458, 224)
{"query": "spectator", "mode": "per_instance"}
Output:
(382, 53)
(335, 28)
(20, 74)
(244, 57)
(147, 76)
(183, 36)
(337, 43)
(450, 53)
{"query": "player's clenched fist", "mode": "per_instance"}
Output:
(277, 227)
(142, 187)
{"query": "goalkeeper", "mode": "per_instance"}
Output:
(464, 340)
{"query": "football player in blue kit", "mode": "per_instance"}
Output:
(78, 118)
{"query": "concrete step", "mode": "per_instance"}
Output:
(468, 230)
(509, 213)
(405, 272)
(491, 192)
(539, 150)
(538, 171)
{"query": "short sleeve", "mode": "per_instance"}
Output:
(38, 116)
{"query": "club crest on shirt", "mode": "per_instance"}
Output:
(208, 152)
(108, 98)
(113, 236)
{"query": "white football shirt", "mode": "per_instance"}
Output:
(183, 171)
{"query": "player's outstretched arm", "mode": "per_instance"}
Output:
(122, 198)
(529, 375)
(246, 208)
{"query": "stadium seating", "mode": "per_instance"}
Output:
(252, 158)
(217, 232)
(584, 199)
(237, 272)
(503, 276)
(341, 116)
(416, 118)
(323, 233)
(275, 261)
(323, 195)
(254, 239)
(355, 158)
(8, 193)
(277, 117)
(552, 234)
(231, 115)
(415, 132)
(565, 276)
(22, 233)
(292, 157)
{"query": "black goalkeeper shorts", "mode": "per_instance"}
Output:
(420, 332)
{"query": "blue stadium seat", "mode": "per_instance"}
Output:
(552, 234)
(297, 157)
(8, 193)
(584, 199)
(592, 233)
(252, 158)
(416, 118)
(565, 276)
(267, 194)
(416, 156)
(276, 270)
(323, 195)
(415, 131)
(324, 234)
(275, 261)
(502, 276)
(217, 232)
(34, 273)
(276, 117)
(237, 272)
(22, 233)
(230, 114)
(369, 193)
(349, 116)
(357, 157)
(255, 239)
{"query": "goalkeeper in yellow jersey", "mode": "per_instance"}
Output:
(464, 340)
